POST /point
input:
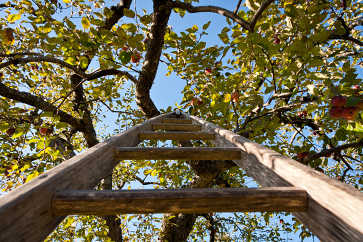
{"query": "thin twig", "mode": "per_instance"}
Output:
(237, 7)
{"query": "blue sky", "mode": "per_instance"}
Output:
(166, 91)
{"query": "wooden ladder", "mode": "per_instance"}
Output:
(315, 199)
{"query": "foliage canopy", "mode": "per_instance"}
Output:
(284, 74)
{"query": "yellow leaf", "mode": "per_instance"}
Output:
(154, 173)
(25, 167)
(13, 17)
(85, 23)
(32, 176)
(66, 1)
(227, 98)
(213, 103)
(14, 167)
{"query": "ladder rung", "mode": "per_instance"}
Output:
(177, 127)
(149, 135)
(197, 200)
(180, 153)
(177, 121)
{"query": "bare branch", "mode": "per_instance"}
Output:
(237, 7)
(259, 13)
(213, 9)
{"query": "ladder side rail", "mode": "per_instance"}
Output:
(334, 210)
(26, 213)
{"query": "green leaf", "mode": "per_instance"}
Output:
(353, 101)
(83, 62)
(85, 23)
(125, 57)
(205, 26)
(129, 13)
(13, 17)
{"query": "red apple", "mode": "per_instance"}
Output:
(338, 101)
(10, 131)
(194, 101)
(302, 114)
(235, 97)
(281, 221)
(125, 48)
(350, 113)
(276, 39)
(44, 131)
(208, 71)
(336, 112)
(135, 58)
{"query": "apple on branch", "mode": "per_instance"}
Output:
(135, 58)
(338, 101)
(208, 71)
(350, 113)
(336, 112)
(196, 101)
(45, 131)
(235, 96)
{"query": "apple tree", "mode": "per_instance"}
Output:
(284, 74)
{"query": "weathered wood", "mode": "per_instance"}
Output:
(25, 212)
(176, 121)
(180, 153)
(335, 209)
(176, 127)
(149, 135)
(202, 200)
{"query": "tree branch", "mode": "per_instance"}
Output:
(143, 182)
(114, 111)
(337, 149)
(237, 7)
(20, 54)
(7, 5)
(40, 103)
(345, 37)
(16, 61)
(152, 57)
(102, 73)
(190, 8)
(211, 227)
(259, 13)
